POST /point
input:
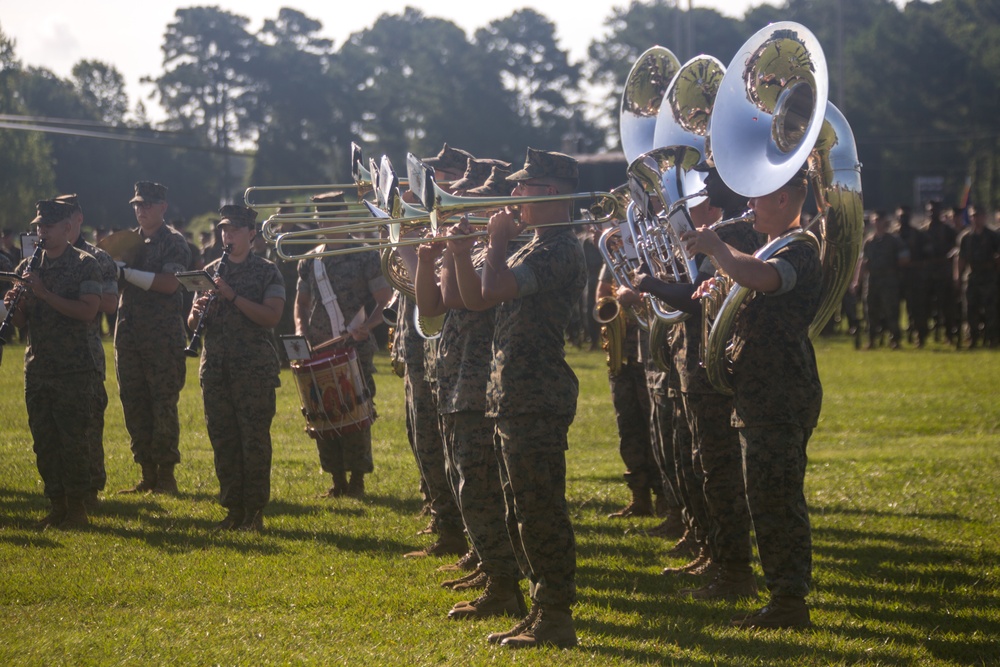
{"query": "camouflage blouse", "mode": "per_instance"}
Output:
(109, 285)
(529, 373)
(149, 319)
(234, 346)
(775, 380)
(58, 344)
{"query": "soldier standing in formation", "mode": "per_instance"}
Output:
(532, 391)
(149, 342)
(978, 256)
(882, 255)
(333, 295)
(777, 394)
(239, 369)
(60, 372)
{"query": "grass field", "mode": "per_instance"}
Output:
(903, 485)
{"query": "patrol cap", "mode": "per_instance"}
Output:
(72, 200)
(477, 171)
(546, 164)
(496, 185)
(451, 159)
(237, 216)
(149, 193)
(50, 211)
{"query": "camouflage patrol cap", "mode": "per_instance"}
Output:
(496, 185)
(149, 192)
(451, 159)
(50, 211)
(72, 200)
(477, 171)
(237, 216)
(546, 164)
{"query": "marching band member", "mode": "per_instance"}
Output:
(239, 368)
(777, 394)
(60, 372)
(331, 296)
(149, 342)
(463, 368)
(531, 394)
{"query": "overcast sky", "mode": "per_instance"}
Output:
(56, 34)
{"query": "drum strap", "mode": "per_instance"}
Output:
(329, 298)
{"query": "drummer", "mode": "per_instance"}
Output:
(239, 368)
(332, 293)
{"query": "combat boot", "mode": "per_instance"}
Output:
(641, 505)
(471, 582)
(56, 513)
(672, 527)
(92, 500)
(552, 627)
(502, 597)
(730, 583)
(696, 566)
(468, 562)
(148, 481)
(165, 481)
(686, 546)
(781, 612)
(254, 523)
(339, 487)
(234, 519)
(356, 487)
(468, 576)
(448, 544)
(76, 514)
(521, 626)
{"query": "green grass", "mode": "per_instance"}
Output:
(903, 484)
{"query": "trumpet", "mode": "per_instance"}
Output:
(194, 347)
(19, 290)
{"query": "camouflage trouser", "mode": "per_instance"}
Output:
(661, 428)
(59, 414)
(238, 418)
(719, 456)
(774, 459)
(981, 311)
(150, 383)
(690, 483)
(882, 309)
(475, 477)
(424, 434)
(95, 437)
(533, 475)
(633, 413)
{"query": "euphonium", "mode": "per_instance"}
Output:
(777, 97)
(609, 313)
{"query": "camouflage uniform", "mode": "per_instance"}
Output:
(463, 370)
(716, 445)
(149, 352)
(882, 255)
(60, 375)
(239, 375)
(95, 436)
(532, 395)
(661, 423)
(354, 279)
(631, 401)
(5, 265)
(776, 405)
(688, 476)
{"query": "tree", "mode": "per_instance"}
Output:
(102, 87)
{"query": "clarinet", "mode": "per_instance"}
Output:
(19, 290)
(194, 347)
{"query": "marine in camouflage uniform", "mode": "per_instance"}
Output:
(881, 256)
(978, 256)
(60, 372)
(777, 395)
(149, 341)
(532, 392)
(358, 283)
(239, 369)
(109, 301)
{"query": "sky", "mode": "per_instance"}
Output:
(56, 34)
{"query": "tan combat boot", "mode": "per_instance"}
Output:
(641, 505)
(521, 626)
(729, 583)
(502, 597)
(552, 627)
(56, 513)
(148, 481)
(165, 481)
(781, 612)
(76, 514)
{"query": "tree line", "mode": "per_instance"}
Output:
(282, 105)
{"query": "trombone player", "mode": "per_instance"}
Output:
(777, 394)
